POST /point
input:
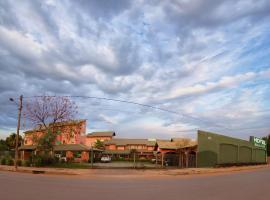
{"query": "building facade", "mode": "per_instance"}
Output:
(124, 148)
(209, 150)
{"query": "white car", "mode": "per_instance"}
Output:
(105, 159)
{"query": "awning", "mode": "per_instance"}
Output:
(27, 147)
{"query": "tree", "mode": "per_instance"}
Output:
(11, 141)
(99, 144)
(46, 111)
(267, 139)
(3, 145)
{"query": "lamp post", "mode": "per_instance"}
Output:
(18, 130)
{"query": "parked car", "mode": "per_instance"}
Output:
(105, 159)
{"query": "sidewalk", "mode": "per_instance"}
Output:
(131, 172)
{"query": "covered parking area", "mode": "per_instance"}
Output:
(178, 154)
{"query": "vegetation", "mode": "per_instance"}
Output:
(10, 142)
(99, 144)
(267, 139)
(3, 145)
(7, 160)
(45, 112)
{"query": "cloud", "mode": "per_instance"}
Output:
(224, 82)
(191, 57)
(108, 119)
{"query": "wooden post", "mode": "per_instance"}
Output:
(187, 159)
(92, 157)
(180, 160)
(18, 133)
(156, 160)
(162, 159)
(134, 159)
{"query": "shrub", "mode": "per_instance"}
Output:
(3, 161)
(19, 162)
(10, 162)
(43, 160)
(37, 161)
(26, 163)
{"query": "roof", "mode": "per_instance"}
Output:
(57, 124)
(176, 143)
(124, 141)
(71, 147)
(62, 147)
(101, 134)
(122, 152)
(27, 147)
(167, 145)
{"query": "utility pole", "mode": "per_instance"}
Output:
(92, 156)
(18, 132)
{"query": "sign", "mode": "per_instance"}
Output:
(258, 142)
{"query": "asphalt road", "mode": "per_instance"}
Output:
(253, 185)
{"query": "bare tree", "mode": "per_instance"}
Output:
(46, 111)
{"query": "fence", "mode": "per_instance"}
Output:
(7, 153)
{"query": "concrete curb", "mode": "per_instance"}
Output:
(130, 172)
(35, 170)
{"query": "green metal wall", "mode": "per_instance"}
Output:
(215, 149)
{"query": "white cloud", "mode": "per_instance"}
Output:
(190, 57)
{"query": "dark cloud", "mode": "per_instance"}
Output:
(133, 50)
(103, 8)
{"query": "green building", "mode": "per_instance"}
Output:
(214, 150)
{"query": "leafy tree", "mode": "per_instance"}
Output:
(11, 141)
(3, 145)
(267, 139)
(99, 144)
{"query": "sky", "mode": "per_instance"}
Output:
(205, 61)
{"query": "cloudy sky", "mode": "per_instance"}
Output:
(207, 61)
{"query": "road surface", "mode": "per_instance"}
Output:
(253, 185)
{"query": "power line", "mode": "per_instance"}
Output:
(135, 103)
(143, 105)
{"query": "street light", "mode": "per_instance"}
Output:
(18, 129)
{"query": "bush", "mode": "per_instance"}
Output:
(19, 162)
(3, 161)
(43, 160)
(26, 163)
(37, 161)
(10, 162)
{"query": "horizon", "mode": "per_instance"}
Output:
(192, 64)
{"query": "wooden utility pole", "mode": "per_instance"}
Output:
(18, 133)
(92, 156)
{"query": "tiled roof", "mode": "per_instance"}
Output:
(167, 145)
(27, 147)
(71, 147)
(62, 147)
(176, 143)
(101, 134)
(124, 141)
